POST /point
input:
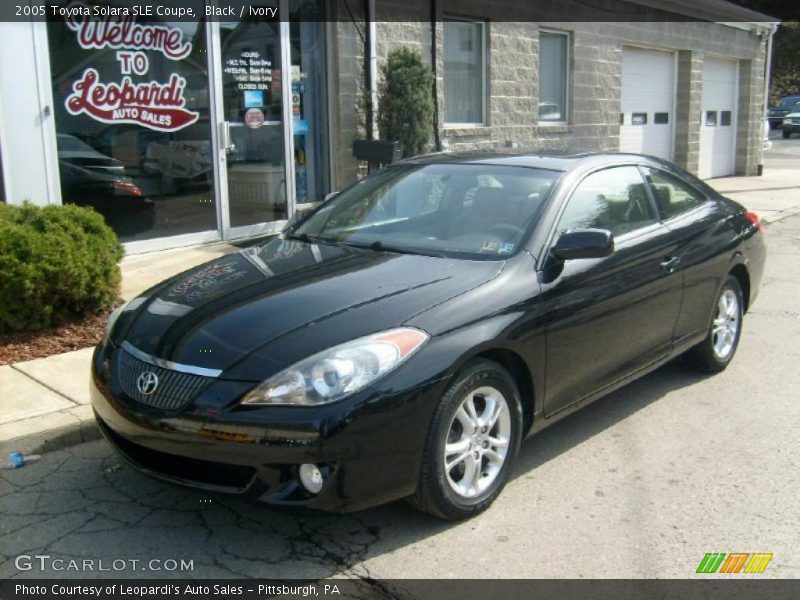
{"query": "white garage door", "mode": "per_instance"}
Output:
(718, 118)
(648, 99)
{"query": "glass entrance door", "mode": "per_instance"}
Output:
(252, 135)
(270, 102)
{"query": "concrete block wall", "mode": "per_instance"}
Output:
(595, 80)
(688, 109)
(347, 49)
(750, 118)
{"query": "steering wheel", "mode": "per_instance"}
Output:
(507, 228)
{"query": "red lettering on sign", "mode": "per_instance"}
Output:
(124, 33)
(151, 104)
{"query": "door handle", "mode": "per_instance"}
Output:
(225, 139)
(670, 263)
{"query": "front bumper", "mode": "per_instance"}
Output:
(369, 446)
(791, 127)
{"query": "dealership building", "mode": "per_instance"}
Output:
(185, 132)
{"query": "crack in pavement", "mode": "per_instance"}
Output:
(76, 503)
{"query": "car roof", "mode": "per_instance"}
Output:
(554, 161)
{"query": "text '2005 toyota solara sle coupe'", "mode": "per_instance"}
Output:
(401, 339)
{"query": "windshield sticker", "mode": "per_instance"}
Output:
(497, 247)
(490, 246)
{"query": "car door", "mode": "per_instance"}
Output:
(607, 318)
(700, 236)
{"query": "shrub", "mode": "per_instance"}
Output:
(56, 263)
(405, 103)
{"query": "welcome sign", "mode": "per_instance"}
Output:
(156, 105)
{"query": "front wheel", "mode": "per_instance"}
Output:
(786, 134)
(472, 442)
(715, 353)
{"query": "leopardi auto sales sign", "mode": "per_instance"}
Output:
(158, 105)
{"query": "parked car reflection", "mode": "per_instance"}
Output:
(90, 178)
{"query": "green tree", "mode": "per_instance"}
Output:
(405, 103)
(786, 61)
(785, 69)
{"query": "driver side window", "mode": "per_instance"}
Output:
(615, 199)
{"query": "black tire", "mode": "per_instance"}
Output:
(786, 134)
(434, 493)
(704, 356)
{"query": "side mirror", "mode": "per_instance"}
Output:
(584, 243)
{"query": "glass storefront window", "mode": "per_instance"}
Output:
(132, 118)
(135, 119)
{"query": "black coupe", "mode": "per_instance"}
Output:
(405, 336)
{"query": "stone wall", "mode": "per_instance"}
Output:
(594, 85)
(688, 105)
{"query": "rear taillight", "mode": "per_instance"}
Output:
(127, 187)
(754, 219)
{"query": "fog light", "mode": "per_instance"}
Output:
(311, 478)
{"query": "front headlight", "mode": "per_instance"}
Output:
(337, 372)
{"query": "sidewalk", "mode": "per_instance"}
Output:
(776, 194)
(44, 403)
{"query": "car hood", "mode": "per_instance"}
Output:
(262, 308)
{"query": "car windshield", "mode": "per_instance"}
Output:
(468, 211)
(789, 102)
(69, 143)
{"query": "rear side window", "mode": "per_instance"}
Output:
(672, 196)
(615, 199)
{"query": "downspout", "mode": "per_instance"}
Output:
(768, 65)
(371, 69)
(767, 74)
(435, 91)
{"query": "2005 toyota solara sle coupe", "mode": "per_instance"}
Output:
(401, 339)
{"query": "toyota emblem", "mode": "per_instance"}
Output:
(147, 383)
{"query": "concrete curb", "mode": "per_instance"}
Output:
(53, 433)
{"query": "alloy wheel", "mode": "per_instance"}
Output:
(478, 442)
(726, 324)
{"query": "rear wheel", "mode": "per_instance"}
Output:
(715, 353)
(471, 444)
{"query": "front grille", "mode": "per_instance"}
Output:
(173, 391)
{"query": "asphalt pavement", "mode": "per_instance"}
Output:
(640, 484)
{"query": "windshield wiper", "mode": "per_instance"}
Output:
(379, 246)
(309, 239)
